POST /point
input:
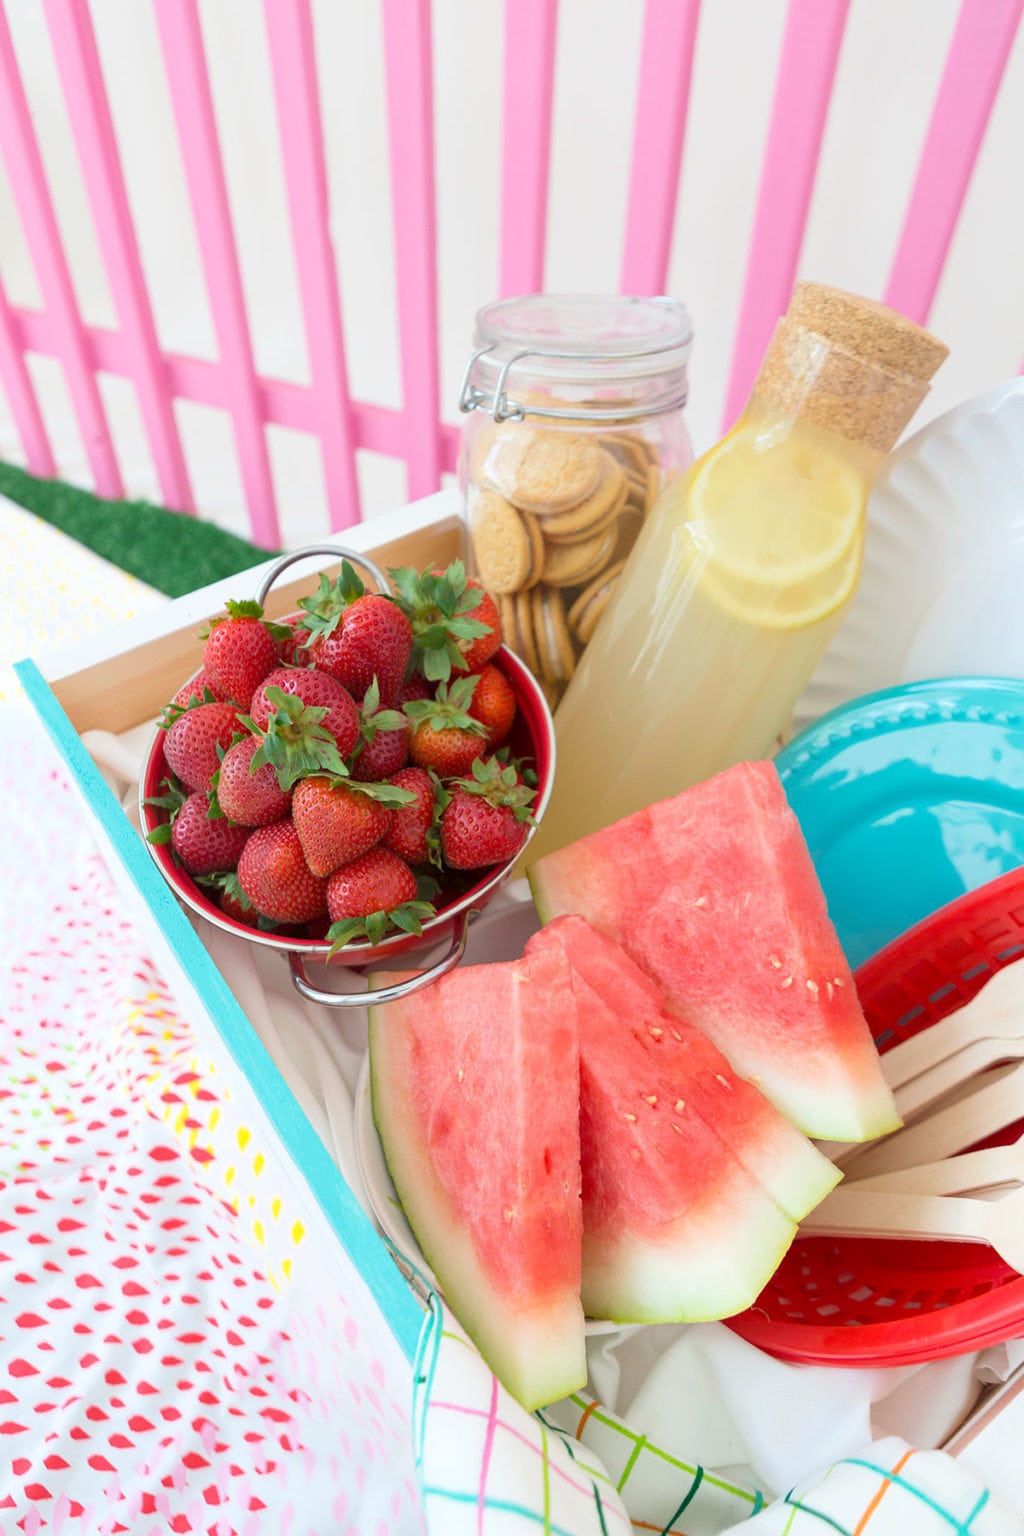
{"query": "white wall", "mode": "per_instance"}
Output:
(888, 74)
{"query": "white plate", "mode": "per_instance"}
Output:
(498, 935)
(940, 591)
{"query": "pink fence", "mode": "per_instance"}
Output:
(324, 407)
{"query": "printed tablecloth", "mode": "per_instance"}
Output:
(170, 1359)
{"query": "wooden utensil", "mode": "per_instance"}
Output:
(888, 1213)
(959, 1175)
(997, 1103)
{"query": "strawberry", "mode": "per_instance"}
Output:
(336, 820)
(411, 833)
(444, 611)
(494, 704)
(358, 636)
(201, 688)
(486, 818)
(415, 687)
(275, 877)
(201, 842)
(193, 738)
(371, 894)
(240, 650)
(443, 734)
(313, 687)
(476, 653)
(250, 796)
(295, 646)
(384, 747)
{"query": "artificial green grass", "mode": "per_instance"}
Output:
(174, 553)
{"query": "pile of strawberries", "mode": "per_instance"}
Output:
(336, 777)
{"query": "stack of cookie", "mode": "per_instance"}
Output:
(553, 513)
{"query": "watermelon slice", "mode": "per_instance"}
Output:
(475, 1084)
(693, 1184)
(713, 893)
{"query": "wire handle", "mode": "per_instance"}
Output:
(447, 962)
(336, 551)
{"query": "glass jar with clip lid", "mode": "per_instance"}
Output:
(574, 408)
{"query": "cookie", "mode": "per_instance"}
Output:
(555, 531)
(570, 565)
(551, 636)
(506, 553)
(592, 601)
(524, 632)
(631, 450)
(540, 471)
(595, 510)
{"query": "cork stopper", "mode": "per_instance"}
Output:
(847, 365)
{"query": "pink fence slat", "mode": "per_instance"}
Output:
(408, 65)
(663, 95)
(529, 83)
(293, 58)
(185, 64)
(74, 47)
(21, 397)
(975, 63)
(803, 88)
(25, 169)
(376, 427)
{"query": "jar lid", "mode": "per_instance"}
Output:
(610, 344)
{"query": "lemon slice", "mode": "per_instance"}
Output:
(781, 525)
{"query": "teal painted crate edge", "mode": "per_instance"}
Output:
(342, 1211)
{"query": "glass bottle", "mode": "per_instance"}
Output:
(743, 570)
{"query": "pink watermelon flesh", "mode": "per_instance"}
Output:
(692, 1183)
(475, 1084)
(714, 895)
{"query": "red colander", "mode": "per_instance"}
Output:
(885, 1301)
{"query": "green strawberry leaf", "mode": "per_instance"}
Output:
(392, 795)
(448, 710)
(161, 834)
(295, 742)
(499, 785)
(375, 926)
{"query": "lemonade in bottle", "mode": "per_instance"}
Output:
(742, 572)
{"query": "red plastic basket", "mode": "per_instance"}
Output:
(878, 1302)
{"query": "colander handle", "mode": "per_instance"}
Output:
(447, 962)
(336, 551)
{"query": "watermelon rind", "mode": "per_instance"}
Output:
(536, 1348)
(699, 1268)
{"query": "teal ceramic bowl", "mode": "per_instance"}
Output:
(908, 798)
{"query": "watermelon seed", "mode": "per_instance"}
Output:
(701, 901)
(628, 1116)
(775, 962)
(677, 1128)
(656, 1033)
(838, 981)
(650, 1098)
(680, 1106)
(829, 990)
(460, 1074)
(724, 1081)
(812, 986)
(676, 1035)
(787, 981)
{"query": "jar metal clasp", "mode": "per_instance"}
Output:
(497, 404)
